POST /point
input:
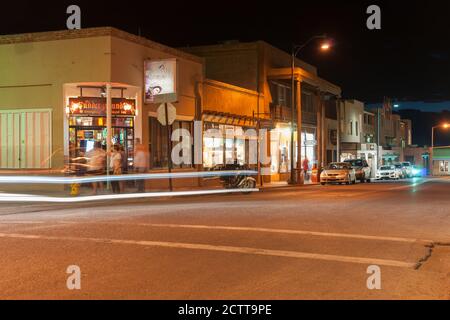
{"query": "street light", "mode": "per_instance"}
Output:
(444, 126)
(325, 46)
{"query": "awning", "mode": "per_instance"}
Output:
(230, 119)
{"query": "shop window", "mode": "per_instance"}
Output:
(225, 144)
(159, 143)
(85, 131)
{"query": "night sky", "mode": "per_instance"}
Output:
(408, 60)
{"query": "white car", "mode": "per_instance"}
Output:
(387, 173)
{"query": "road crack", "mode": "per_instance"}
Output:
(429, 252)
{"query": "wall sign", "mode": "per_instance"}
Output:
(95, 106)
(160, 81)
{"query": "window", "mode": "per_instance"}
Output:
(308, 103)
(281, 94)
(158, 143)
(351, 128)
(225, 144)
(357, 128)
(333, 137)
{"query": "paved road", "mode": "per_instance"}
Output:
(303, 243)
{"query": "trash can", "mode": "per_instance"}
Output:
(315, 178)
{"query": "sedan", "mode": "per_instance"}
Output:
(338, 173)
(388, 172)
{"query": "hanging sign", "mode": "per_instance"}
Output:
(160, 80)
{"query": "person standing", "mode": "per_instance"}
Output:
(140, 164)
(305, 166)
(115, 164)
(96, 165)
(124, 167)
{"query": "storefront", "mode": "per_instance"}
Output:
(280, 146)
(441, 161)
(87, 125)
(227, 144)
(280, 150)
(56, 111)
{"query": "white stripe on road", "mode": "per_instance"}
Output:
(285, 231)
(228, 249)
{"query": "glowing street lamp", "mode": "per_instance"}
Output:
(325, 46)
(443, 126)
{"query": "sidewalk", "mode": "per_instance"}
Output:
(284, 185)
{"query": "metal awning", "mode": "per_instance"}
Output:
(229, 118)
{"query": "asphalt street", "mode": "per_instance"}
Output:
(313, 242)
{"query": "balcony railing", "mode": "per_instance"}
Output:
(282, 113)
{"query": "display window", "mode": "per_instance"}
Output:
(224, 144)
(84, 132)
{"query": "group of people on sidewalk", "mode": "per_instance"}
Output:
(118, 165)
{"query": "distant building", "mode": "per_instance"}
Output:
(351, 117)
(441, 161)
(392, 134)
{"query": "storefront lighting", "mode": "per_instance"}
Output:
(127, 107)
(75, 106)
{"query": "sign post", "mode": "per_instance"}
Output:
(169, 140)
(166, 116)
(161, 87)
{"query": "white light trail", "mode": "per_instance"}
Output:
(5, 197)
(150, 176)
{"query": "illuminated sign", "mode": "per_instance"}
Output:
(95, 106)
(160, 81)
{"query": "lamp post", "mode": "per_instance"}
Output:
(444, 126)
(295, 51)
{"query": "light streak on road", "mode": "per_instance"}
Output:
(150, 176)
(5, 197)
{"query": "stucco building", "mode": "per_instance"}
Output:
(264, 69)
(54, 88)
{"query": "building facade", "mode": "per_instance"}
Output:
(63, 92)
(55, 87)
(392, 134)
(264, 69)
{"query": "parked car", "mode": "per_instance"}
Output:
(362, 169)
(402, 173)
(388, 172)
(408, 168)
(338, 172)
